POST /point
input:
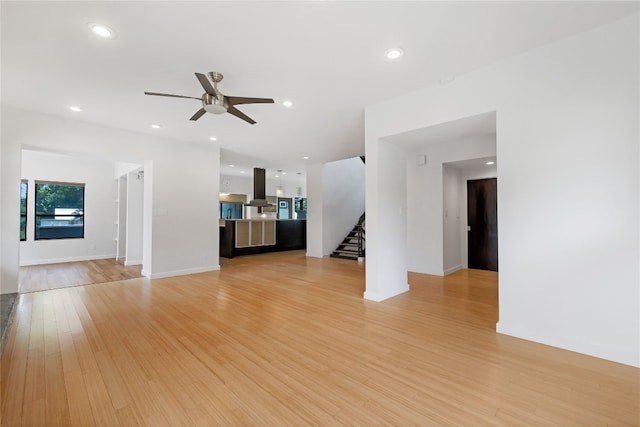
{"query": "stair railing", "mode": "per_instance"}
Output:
(361, 237)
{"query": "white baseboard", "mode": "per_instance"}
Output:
(180, 272)
(422, 270)
(378, 297)
(134, 262)
(314, 255)
(61, 260)
(625, 356)
(453, 269)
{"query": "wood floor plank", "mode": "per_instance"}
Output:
(35, 278)
(282, 339)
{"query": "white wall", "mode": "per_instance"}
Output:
(122, 168)
(99, 208)
(181, 181)
(315, 218)
(425, 210)
(134, 217)
(2, 265)
(10, 159)
(451, 220)
(237, 185)
(121, 219)
(568, 191)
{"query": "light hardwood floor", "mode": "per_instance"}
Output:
(281, 339)
(34, 278)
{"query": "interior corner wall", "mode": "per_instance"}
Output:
(1, 222)
(10, 207)
(181, 186)
(425, 210)
(451, 219)
(568, 193)
(343, 200)
(134, 218)
(315, 224)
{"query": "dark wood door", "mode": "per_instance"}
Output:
(482, 221)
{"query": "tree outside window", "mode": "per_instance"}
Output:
(23, 210)
(59, 211)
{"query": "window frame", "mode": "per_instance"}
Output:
(36, 215)
(26, 207)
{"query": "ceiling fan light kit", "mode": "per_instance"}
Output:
(213, 101)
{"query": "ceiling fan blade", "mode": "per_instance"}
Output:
(206, 85)
(198, 114)
(168, 94)
(233, 110)
(237, 100)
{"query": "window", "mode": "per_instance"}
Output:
(59, 211)
(23, 210)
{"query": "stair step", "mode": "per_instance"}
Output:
(352, 247)
(335, 255)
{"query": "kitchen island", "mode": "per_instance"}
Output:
(255, 236)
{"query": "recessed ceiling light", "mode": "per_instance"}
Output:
(277, 176)
(284, 173)
(232, 166)
(490, 163)
(74, 108)
(306, 157)
(102, 30)
(241, 171)
(156, 126)
(212, 138)
(287, 103)
(394, 53)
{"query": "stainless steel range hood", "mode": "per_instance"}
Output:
(259, 189)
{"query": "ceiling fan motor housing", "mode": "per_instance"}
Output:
(215, 105)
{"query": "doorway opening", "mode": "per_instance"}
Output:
(114, 230)
(467, 242)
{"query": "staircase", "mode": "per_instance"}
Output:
(353, 246)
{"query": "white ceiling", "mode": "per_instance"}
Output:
(326, 56)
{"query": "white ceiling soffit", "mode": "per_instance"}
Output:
(327, 57)
(478, 125)
(474, 164)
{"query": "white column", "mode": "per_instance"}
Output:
(386, 206)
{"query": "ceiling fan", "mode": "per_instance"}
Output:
(213, 101)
